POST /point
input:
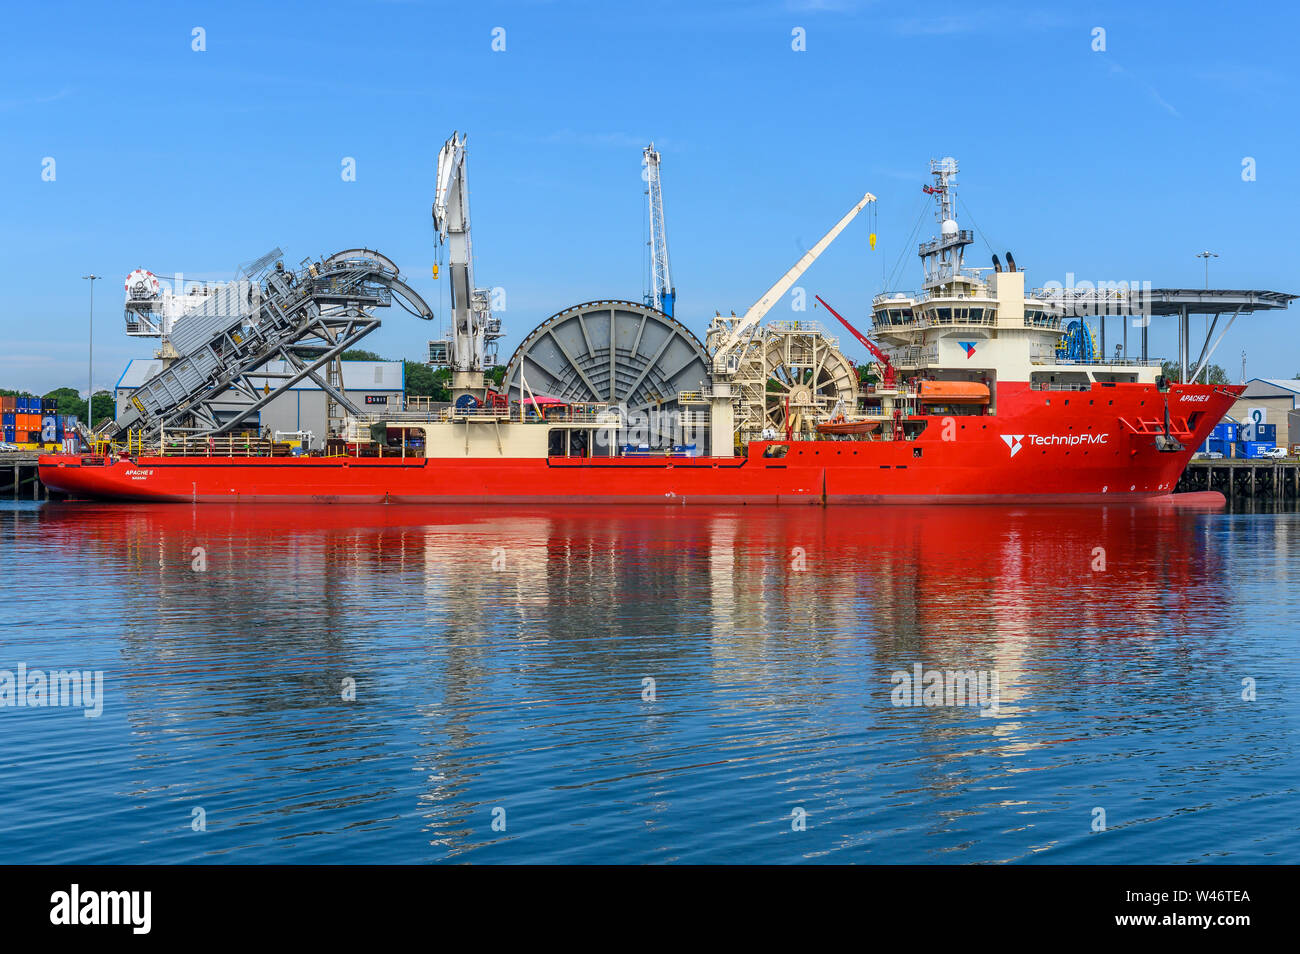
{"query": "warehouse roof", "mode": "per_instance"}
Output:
(1272, 388)
(357, 375)
(1286, 384)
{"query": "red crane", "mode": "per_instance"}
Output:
(866, 343)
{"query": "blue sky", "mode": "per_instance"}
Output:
(1113, 165)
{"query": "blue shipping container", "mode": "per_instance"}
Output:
(1252, 450)
(9, 419)
(1219, 447)
(1226, 431)
(9, 435)
(1266, 432)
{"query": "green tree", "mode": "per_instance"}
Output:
(1211, 375)
(70, 402)
(104, 407)
(497, 374)
(442, 385)
(356, 354)
(424, 381)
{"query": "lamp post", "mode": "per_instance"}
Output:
(1207, 256)
(90, 369)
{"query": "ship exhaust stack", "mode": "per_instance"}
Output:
(997, 265)
(1011, 263)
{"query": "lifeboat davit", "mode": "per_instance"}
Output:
(954, 392)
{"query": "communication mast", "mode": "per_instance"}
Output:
(942, 257)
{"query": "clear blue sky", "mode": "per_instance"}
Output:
(1114, 165)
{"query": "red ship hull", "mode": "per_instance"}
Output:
(1041, 446)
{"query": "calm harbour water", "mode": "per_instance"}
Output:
(499, 657)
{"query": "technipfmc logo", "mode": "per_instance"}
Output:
(1015, 442)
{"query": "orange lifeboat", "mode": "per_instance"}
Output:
(839, 426)
(954, 392)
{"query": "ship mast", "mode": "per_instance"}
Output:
(942, 257)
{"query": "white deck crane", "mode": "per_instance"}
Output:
(663, 295)
(474, 330)
(721, 411)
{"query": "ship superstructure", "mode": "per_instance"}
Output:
(979, 325)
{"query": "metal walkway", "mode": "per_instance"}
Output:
(305, 319)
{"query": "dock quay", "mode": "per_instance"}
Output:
(20, 479)
(1243, 479)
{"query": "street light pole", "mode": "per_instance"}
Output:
(90, 369)
(1207, 256)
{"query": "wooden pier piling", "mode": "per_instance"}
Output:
(1244, 479)
(20, 479)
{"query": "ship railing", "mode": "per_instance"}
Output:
(570, 414)
(398, 416)
(1113, 301)
(1047, 355)
(812, 328)
(911, 357)
(424, 403)
(1059, 386)
(442, 412)
(224, 446)
(930, 321)
(805, 327)
(1047, 322)
(884, 434)
(480, 413)
(895, 296)
(960, 237)
(931, 295)
(546, 414)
